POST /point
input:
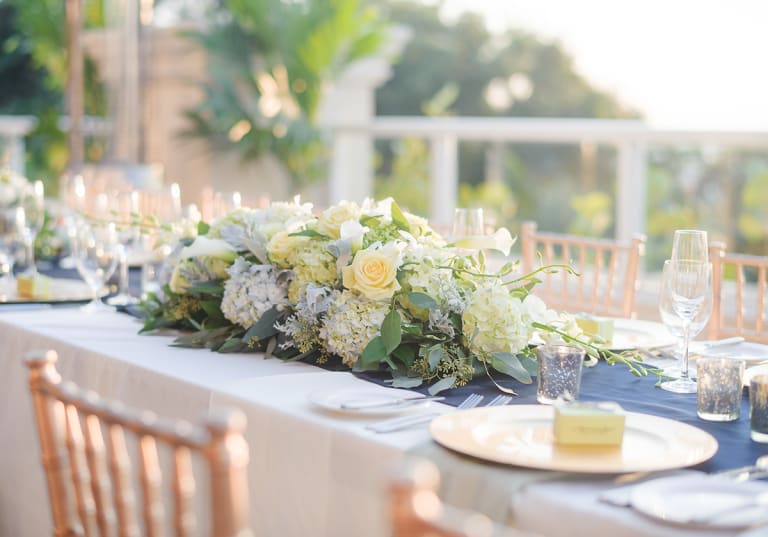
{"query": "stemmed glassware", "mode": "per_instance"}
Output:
(687, 286)
(95, 246)
(12, 229)
(33, 203)
(124, 211)
(467, 223)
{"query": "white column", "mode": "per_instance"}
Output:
(631, 190)
(444, 179)
(16, 154)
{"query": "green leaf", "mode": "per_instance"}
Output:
(529, 364)
(406, 354)
(373, 353)
(423, 300)
(212, 308)
(212, 287)
(264, 327)
(231, 345)
(398, 218)
(407, 382)
(391, 334)
(509, 364)
(309, 233)
(441, 385)
(202, 228)
(369, 220)
(434, 355)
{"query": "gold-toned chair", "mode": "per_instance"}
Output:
(87, 442)
(608, 271)
(416, 509)
(739, 295)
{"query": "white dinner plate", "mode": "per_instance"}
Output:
(702, 501)
(522, 435)
(634, 334)
(747, 351)
(63, 290)
(332, 400)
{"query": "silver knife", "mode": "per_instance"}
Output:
(406, 401)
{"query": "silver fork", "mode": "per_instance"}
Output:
(500, 400)
(398, 424)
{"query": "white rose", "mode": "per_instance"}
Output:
(331, 220)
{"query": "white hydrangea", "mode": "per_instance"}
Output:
(250, 291)
(426, 273)
(314, 264)
(351, 322)
(495, 321)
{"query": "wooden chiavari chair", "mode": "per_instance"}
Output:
(416, 509)
(608, 271)
(739, 295)
(90, 473)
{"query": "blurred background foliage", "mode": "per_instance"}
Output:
(271, 59)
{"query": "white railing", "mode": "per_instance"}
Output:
(631, 139)
(13, 129)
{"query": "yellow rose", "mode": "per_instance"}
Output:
(330, 221)
(373, 272)
(282, 248)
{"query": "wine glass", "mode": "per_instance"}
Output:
(95, 246)
(467, 223)
(33, 203)
(690, 245)
(125, 213)
(688, 285)
(12, 228)
(674, 323)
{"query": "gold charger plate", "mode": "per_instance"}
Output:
(63, 290)
(638, 334)
(522, 435)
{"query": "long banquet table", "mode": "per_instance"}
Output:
(311, 473)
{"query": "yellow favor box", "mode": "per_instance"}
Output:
(37, 287)
(593, 325)
(589, 424)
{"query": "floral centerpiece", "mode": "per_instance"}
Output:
(370, 287)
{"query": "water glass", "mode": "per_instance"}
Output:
(95, 247)
(467, 223)
(758, 408)
(719, 388)
(559, 373)
(690, 245)
(33, 203)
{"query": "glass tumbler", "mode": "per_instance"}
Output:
(559, 373)
(720, 388)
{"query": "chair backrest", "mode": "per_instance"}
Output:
(94, 479)
(739, 295)
(416, 509)
(607, 269)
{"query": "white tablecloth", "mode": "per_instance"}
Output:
(311, 473)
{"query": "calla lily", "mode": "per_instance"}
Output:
(353, 232)
(501, 241)
(204, 246)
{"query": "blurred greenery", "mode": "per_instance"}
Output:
(33, 78)
(271, 61)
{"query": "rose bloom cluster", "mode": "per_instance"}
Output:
(333, 277)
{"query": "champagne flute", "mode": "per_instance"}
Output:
(125, 212)
(33, 202)
(674, 323)
(95, 247)
(690, 245)
(689, 284)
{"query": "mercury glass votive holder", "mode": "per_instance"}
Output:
(719, 388)
(559, 373)
(758, 408)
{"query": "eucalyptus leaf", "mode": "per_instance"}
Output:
(373, 353)
(391, 334)
(264, 327)
(442, 385)
(434, 355)
(529, 363)
(423, 300)
(509, 364)
(407, 382)
(202, 227)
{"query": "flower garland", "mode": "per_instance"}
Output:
(370, 285)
